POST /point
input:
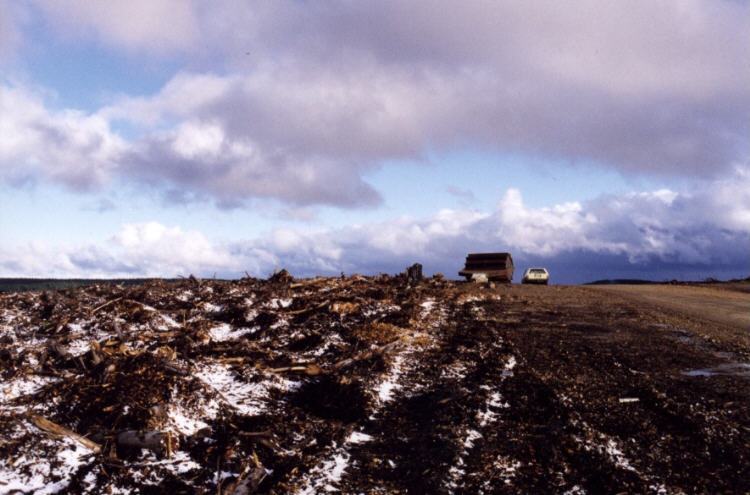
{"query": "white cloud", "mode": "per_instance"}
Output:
(547, 231)
(157, 249)
(198, 139)
(145, 249)
(70, 147)
(702, 229)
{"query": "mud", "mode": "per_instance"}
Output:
(368, 385)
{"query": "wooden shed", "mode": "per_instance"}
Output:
(496, 266)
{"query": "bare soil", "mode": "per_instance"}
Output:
(726, 304)
(371, 385)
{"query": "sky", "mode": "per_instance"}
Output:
(600, 139)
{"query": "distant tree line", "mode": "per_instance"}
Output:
(27, 284)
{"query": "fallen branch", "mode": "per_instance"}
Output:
(57, 430)
(344, 363)
(102, 306)
(310, 309)
(311, 369)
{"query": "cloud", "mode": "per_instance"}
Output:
(298, 101)
(634, 87)
(202, 160)
(69, 147)
(11, 15)
(154, 248)
(656, 234)
(143, 249)
(156, 26)
(464, 195)
(102, 205)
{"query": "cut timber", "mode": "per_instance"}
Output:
(56, 430)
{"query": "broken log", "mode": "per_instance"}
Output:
(57, 430)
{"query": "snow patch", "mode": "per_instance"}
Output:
(386, 388)
(324, 476)
(211, 308)
(471, 436)
(279, 303)
(356, 437)
(246, 398)
(32, 474)
(79, 347)
(225, 332)
(184, 422)
(22, 386)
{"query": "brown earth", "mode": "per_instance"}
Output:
(726, 304)
(369, 385)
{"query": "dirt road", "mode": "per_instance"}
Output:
(712, 304)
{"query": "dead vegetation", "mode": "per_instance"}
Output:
(361, 384)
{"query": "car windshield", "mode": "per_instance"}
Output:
(537, 270)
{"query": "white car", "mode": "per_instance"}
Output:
(535, 276)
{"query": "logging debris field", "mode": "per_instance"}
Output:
(373, 385)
